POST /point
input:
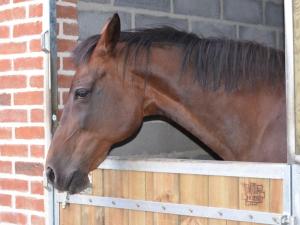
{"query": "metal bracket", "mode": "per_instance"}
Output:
(66, 199)
(45, 41)
(287, 220)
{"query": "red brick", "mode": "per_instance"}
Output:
(5, 65)
(37, 188)
(5, 99)
(12, 82)
(69, 12)
(58, 64)
(5, 200)
(37, 81)
(15, 218)
(71, 29)
(64, 81)
(3, 2)
(16, 1)
(37, 220)
(13, 184)
(59, 114)
(13, 115)
(65, 97)
(65, 45)
(5, 15)
(35, 45)
(13, 150)
(68, 63)
(29, 168)
(29, 203)
(37, 115)
(29, 132)
(5, 167)
(28, 98)
(12, 48)
(4, 31)
(5, 133)
(28, 63)
(37, 151)
(36, 10)
(12, 14)
(27, 29)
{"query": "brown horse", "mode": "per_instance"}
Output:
(229, 94)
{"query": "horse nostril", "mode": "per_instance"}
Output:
(50, 175)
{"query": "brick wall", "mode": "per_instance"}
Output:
(67, 37)
(22, 144)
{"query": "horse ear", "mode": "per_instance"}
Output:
(110, 35)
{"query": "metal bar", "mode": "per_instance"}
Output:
(290, 80)
(296, 193)
(56, 209)
(177, 209)
(49, 9)
(53, 65)
(200, 167)
(287, 192)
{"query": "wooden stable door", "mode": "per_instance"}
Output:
(255, 194)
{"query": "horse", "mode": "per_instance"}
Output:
(230, 94)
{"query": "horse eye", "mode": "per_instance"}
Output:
(81, 93)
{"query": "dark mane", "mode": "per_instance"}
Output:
(217, 61)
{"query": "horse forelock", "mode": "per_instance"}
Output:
(216, 61)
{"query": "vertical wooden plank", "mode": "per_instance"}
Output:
(137, 190)
(149, 196)
(115, 185)
(223, 192)
(71, 215)
(90, 214)
(193, 190)
(97, 213)
(276, 196)
(97, 182)
(230, 222)
(165, 188)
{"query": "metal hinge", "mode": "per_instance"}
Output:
(45, 41)
(287, 220)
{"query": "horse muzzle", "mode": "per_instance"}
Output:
(72, 182)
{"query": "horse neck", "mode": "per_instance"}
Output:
(219, 119)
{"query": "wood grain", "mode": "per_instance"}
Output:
(71, 215)
(276, 196)
(224, 193)
(115, 185)
(193, 190)
(137, 190)
(163, 187)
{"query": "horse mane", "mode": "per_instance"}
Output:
(216, 61)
